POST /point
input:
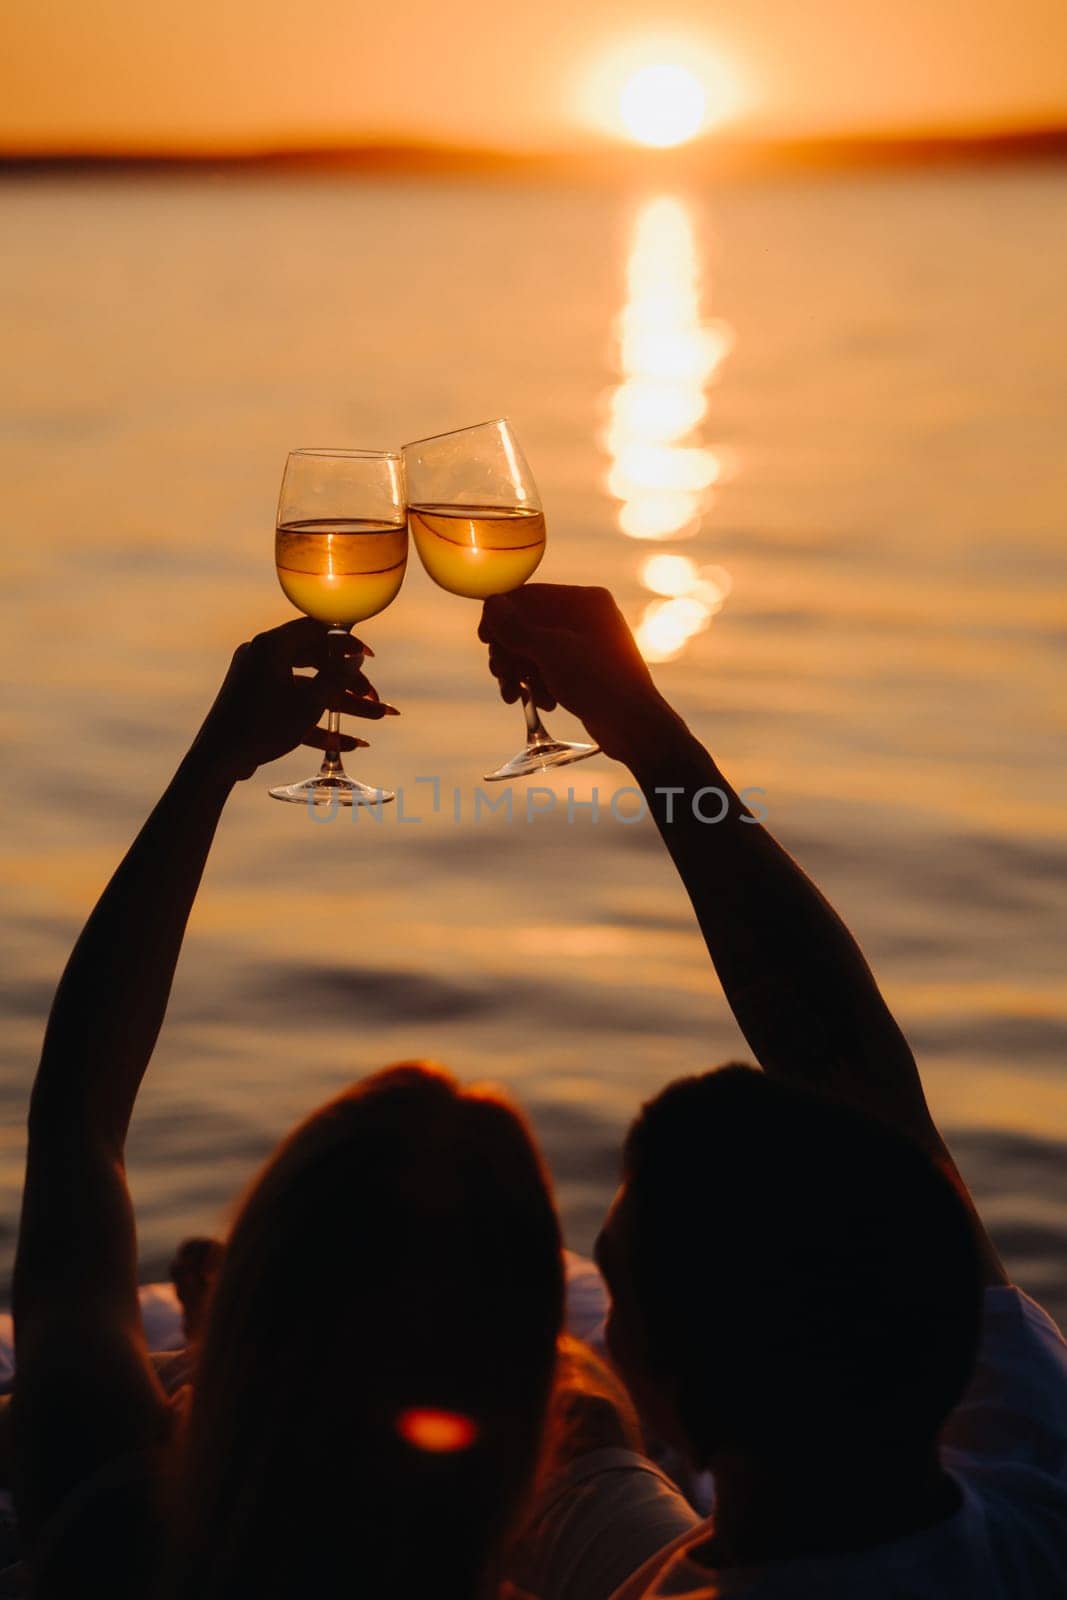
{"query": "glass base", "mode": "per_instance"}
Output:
(538, 756)
(331, 789)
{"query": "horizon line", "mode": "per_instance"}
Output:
(723, 151)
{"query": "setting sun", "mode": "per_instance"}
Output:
(662, 90)
(663, 105)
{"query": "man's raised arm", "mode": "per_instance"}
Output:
(794, 976)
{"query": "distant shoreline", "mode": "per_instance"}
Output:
(708, 158)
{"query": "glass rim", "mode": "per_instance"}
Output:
(346, 455)
(451, 433)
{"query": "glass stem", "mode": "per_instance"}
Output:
(331, 761)
(536, 732)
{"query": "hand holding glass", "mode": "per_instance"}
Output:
(477, 523)
(341, 549)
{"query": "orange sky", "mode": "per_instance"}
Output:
(519, 75)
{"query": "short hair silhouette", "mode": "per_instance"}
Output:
(802, 1272)
(193, 1270)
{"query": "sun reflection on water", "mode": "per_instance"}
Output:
(662, 472)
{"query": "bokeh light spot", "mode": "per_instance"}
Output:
(435, 1431)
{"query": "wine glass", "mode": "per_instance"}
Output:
(341, 548)
(476, 519)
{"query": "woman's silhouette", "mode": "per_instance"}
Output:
(379, 1349)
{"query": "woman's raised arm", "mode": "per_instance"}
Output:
(85, 1392)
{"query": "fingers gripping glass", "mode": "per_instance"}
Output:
(341, 548)
(476, 519)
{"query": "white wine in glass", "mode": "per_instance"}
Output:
(340, 549)
(478, 550)
(341, 570)
(476, 519)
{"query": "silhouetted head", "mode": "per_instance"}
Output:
(786, 1275)
(378, 1354)
(193, 1271)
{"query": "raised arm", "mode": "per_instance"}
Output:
(85, 1392)
(794, 976)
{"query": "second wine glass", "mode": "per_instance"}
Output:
(476, 519)
(341, 549)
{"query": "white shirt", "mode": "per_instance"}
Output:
(1006, 1447)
